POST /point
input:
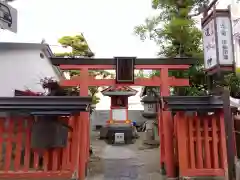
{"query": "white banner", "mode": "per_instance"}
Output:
(209, 45)
(224, 35)
(235, 17)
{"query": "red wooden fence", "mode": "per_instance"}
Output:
(201, 145)
(18, 160)
(161, 135)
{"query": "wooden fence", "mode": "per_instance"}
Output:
(201, 144)
(18, 160)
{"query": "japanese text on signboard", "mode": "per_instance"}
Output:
(224, 43)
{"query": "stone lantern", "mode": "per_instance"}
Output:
(150, 101)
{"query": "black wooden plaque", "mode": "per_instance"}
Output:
(125, 69)
(47, 133)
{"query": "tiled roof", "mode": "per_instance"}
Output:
(119, 88)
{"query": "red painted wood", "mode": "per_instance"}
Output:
(19, 141)
(182, 142)
(191, 143)
(196, 125)
(157, 67)
(71, 143)
(206, 142)
(9, 138)
(46, 160)
(204, 172)
(36, 160)
(74, 143)
(138, 82)
(18, 132)
(83, 145)
(83, 126)
(175, 141)
(161, 134)
(110, 67)
(215, 140)
(35, 174)
(79, 67)
(87, 139)
(199, 150)
(2, 120)
(55, 159)
(27, 146)
(168, 127)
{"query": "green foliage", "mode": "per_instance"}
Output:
(140, 74)
(233, 82)
(78, 44)
(174, 31)
(80, 47)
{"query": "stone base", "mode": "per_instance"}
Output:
(151, 142)
(103, 133)
(127, 131)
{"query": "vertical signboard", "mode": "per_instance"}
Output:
(235, 18)
(217, 40)
(209, 45)
(225, 45)
(125, 69)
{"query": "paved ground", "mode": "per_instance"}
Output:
(148, 158)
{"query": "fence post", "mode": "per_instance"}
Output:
(228, 122)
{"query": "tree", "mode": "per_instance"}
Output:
(174, 31)
(80, 48)
(78, 44)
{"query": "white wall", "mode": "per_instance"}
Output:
(134, 101)
(22, 69)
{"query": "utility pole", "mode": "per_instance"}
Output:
(217, 75)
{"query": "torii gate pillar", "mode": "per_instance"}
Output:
(83, 129)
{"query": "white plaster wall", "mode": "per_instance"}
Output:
(134, 101)
(22, 69)
(104, 103)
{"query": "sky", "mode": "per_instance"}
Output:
(106, 24)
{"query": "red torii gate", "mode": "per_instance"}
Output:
(164, 81)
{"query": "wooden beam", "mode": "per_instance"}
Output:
(111, 61)
(155, 81)
(108, 67)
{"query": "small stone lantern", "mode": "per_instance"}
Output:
(150, 101)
